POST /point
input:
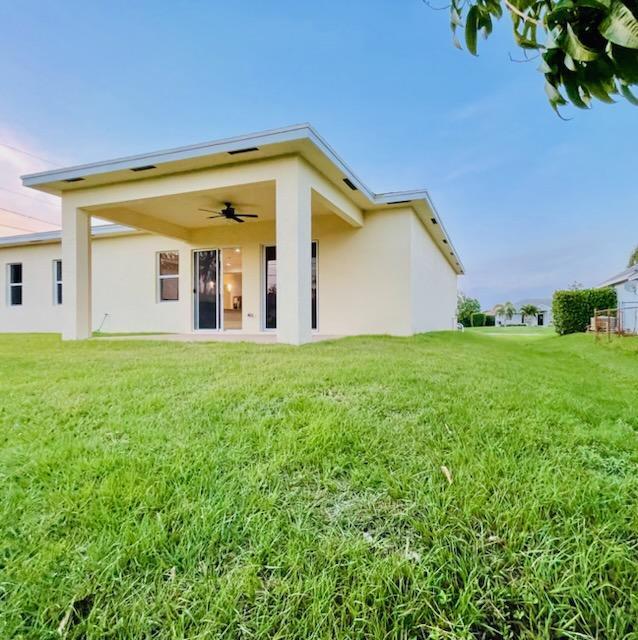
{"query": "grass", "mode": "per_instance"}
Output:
(212, 490)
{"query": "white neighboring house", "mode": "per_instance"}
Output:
(544, 318)
(626, 286)
(316, 254)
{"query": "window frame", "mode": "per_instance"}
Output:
(170, 276)
(11, 285)
(58, 300)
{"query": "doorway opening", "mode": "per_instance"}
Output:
(232, 289)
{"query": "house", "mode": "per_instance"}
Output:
(267, 234)
(544, 317)
(626, 285)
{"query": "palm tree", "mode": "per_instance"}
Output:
(529, 311)
(507, 310)
(633, 258)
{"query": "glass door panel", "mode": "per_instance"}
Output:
(206, 289)
(270, 281)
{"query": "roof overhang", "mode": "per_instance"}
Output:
(300, 140)
(628, 275)
(52, 237)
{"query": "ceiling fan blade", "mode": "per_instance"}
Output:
(213, 217)
(247, 215)
(222, 205)
(235, 218)
(208, 210)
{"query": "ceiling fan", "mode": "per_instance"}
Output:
(230, 213)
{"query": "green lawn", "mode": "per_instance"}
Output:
(171, 490)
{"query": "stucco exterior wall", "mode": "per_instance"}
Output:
(37, 313)
(384, 277)
(433, 283)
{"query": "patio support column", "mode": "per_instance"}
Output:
(293, 233)
(76, 273)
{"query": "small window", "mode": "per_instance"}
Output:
(168, 275)
(15, 284)
(57, 282)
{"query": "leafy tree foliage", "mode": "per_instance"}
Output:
(465, 307)
(587, 48)
(507, 310)
(633, 258)
(529, 311)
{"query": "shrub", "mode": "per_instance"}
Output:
(490, 320)
(478, 319)
(572, 310)
(465, 307)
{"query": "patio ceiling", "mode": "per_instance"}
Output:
(184, 208)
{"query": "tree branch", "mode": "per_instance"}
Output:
(520, 14)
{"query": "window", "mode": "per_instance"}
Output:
(270, 283)
(168, 275)
(57, 282)
(15, 283)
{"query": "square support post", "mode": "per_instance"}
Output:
(76, 273)
(293, 229)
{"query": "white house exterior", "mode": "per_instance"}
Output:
(324, 256)
(543, 318)
(626, 286)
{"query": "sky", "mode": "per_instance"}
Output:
(532, 203)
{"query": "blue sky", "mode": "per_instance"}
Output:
(532, 203)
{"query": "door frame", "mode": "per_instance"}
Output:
(195, 292)
(264, 276)
(220, 289)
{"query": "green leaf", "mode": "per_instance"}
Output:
(576, 49)
(599, 91)
(626, 63)
(553, 38)
(626, 91)
(569, 62)
(455, 18)
(471, 28)
(620, 26)
(553, 94)
(573, 91)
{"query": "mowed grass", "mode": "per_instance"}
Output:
(169, 490)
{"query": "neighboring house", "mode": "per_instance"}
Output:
(626, 285)
(544, 318)
(321, 252)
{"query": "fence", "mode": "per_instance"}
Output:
(615, 321)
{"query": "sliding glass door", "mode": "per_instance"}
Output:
(270, 287)
(206, 289)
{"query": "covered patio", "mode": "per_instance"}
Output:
(269, 234)
(168, 194)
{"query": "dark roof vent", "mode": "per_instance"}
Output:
(349, 183)
(400, 202)
(433, 221)
(444, 241)
(74, 180)
(146, 167)
(247, 150)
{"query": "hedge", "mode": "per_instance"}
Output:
(478, 319)
(490, 320)
(572, 310)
